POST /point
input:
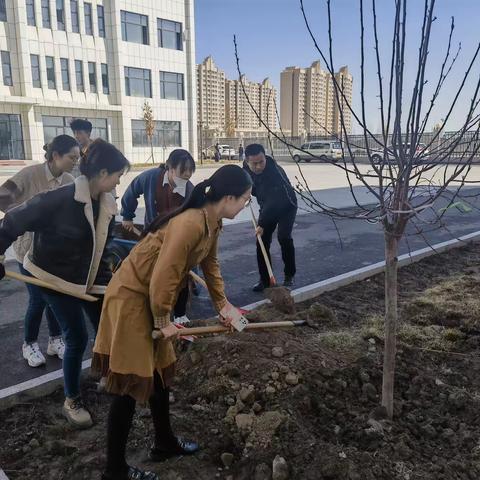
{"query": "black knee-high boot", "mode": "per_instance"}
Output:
(166, 443)
(120, 419)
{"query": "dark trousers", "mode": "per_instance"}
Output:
(284, 233)
(35, 309)
(119, 424)
(180, 308)
(71, 313)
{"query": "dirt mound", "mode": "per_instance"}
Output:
(302, 402)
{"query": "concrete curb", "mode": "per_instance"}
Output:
(47, 383)
(36, 387)
(3, 476)
(314, 289)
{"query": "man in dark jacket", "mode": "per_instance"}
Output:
(278, 207)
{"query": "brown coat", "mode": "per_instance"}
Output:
(145, 288)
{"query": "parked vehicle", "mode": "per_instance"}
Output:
(226, 151)
(321, 150)
(421, 152)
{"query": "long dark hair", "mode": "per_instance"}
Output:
(102, 155)
(227, 180)
(181, 158)
(61, 144)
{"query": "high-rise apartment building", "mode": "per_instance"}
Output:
(99, 60)
(308, 103)
(210, 96)
(246, 101)
(223, 105)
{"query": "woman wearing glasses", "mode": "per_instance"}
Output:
(140, 299)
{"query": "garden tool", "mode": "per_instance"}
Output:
(41, 283)
(201, 331)
(280, 296)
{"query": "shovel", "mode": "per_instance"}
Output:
(41, 283)
(200, 331)
(279, 296)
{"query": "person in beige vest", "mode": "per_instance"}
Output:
(61, 155)
(141, 297)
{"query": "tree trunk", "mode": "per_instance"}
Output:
(151, 150)
(391, 317)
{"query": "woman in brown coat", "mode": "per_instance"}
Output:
(140, 298)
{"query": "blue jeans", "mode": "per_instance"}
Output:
(71, 313)
(35, 309)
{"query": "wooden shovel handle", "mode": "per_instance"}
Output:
(251, 326)
(41, 283)
(199, 331)
(263, 249)
(198, 279)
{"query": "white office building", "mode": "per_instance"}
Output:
(99, 60)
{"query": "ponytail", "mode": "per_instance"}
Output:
(227, 180)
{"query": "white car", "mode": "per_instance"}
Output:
(226, 151)
(421, 152)
(323, 150)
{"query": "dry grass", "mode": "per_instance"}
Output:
(454, 302)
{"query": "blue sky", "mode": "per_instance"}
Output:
(271, 35)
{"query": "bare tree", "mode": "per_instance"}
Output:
(149, 121)
(405, 176)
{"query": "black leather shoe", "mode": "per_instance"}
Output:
(178, 448)
(133, 473)
(259, 287)
(289, 281)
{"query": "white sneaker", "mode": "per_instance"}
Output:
(56, 347)
(181, 320)
(76, 414)
(33, 355)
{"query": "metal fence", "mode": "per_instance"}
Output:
(469, 142)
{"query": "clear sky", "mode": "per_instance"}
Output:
(271, 35)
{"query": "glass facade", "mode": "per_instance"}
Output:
(11, 137)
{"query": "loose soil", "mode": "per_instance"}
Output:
(310, 394)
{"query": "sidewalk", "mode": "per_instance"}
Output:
(319, 256)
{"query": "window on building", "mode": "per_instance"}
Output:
(138, 82)
(6, 68)
(3, 11)
(35, 65)
(60, 14)
(46, 14)
(101, 20)
(50, 63)
(105, 85)
(166, 134)
(74, 14)
(92, 77)
(11, 138)
(65, 73)
(87, 7)
(79, 75)
(171, 85)
(31, 12)
(54, 126)
(169, 34)
(134, 27)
